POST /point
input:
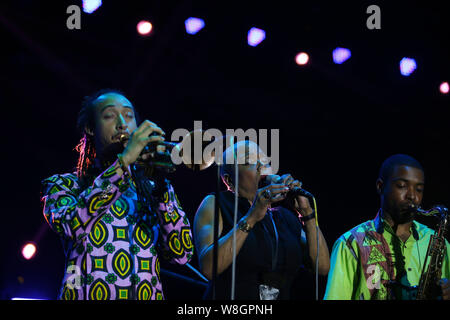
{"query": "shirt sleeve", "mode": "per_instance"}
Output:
(176, 237)
(71, 212)
(446, 262)
(343, 264)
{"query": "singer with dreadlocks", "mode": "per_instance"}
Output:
(115, 221)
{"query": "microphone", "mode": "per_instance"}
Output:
(300, 192)
(296, 191)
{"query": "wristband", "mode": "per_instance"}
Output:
(308, 217)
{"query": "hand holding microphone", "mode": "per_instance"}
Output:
(136, 144)
(297, 199)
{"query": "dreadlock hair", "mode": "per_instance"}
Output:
(86, 146)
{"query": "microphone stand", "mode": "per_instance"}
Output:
(216, 235)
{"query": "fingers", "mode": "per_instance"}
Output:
(148, 130)
(277, 188)
(152, 139)
(288, 180)
(274, 192)
(296, 183)
(445, 286)
(148, 127)
(273, 178)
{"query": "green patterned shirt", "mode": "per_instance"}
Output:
(366, 258)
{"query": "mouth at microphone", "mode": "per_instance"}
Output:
(296, 191)
(119, 137)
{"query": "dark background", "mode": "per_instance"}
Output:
(337, 122)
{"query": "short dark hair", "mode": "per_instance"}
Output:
(388, 166)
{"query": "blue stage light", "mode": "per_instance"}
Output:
(90, 6)
(194, 25)
(407, 66)
(255, 36)
(340, 55)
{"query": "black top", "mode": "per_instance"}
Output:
(254, 262)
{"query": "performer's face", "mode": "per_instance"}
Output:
(114, 114)
(251, 173)
(404, 187)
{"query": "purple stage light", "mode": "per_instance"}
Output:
(407, 66)
(255, 36)
(194, 25)
(90, 6)
(340, 55)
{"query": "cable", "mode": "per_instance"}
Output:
(197, 272)
(317, 253)
(236, 188)
(216, 235)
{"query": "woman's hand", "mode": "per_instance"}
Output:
(264, 198)
(299, 203)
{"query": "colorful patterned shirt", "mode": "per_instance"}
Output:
(112, 249)
(365, 259)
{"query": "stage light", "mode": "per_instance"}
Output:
(194, 25)
(90, 6)
(444, 88)
(144, 27)
(340, 55)
(255, 36)
(302, 58)
(407, 66)
(29, 250)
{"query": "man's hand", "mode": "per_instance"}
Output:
(445, 286)
(139, 139)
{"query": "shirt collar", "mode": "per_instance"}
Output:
(380, 225)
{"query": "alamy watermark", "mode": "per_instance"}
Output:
(374, 280)
(374, 20)
(74, 20)
(220, 142)
(74, 280)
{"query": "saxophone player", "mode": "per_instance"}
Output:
(383, 258)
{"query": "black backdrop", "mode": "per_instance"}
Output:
(337, 122)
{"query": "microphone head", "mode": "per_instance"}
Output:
(301, 192)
